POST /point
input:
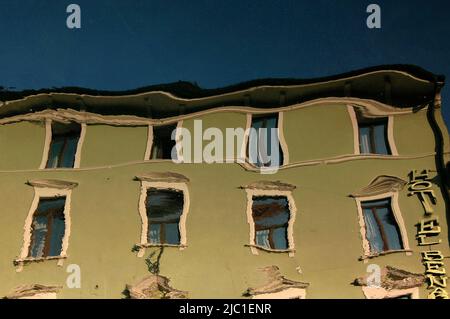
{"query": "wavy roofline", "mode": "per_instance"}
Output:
(187, 91)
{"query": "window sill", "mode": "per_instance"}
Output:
(157, 160)
(159, 245)
(271, 250)
(387, 252)
(39, 259)
(376, 154)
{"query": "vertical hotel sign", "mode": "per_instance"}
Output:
(428, 234)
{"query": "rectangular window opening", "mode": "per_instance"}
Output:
(271, 217)
(63, 146)
(382, 230)
(162, 142)
(48, 228)
(260, 148)
(373, 136)
(164, 209)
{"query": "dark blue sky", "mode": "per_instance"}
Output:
(128, 44)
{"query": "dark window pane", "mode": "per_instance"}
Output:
(162, 142)
(172, 234)
(390, 227)
(271, 216)
(68, 156)
(48, 228)
(380, 139)
(382, 230)
(54, 153)
(63, 146)
(279, 237)
(57, 234)
(266, 150)
(164, 208)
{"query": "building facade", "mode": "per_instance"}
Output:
(93, 204)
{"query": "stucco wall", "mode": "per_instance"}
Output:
(216, 264)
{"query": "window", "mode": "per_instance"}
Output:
(373, 136)
(264, 147)
(271, 215)
(164, 209)
(63, 145)
(271, 218)
(48, 228)
(163, 144)
(382, 230)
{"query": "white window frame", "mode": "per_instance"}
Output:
(282, 140)
(289, 293)
(40, 193)
(179, 186)
(48, 141)
(390, 133)
(393, 196)
(150, 140)
(382, 293)
(290, 230)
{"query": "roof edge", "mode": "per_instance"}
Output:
(189, 90)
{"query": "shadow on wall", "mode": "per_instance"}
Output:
(448, 169)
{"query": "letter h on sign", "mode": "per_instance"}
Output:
(421, 186)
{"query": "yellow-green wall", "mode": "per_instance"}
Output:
(216, 264)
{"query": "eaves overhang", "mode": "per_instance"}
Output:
(397, 85)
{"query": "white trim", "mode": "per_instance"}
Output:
(48, 141)
(145, 185)
(148, 148)
(282, 140)
(77, 161)
(289, 293)
(178, 145)
(248, 125)
(382, 293)
(354, 120)
(397, 215)
(44, 192)
(390, 135)
(290, 230)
